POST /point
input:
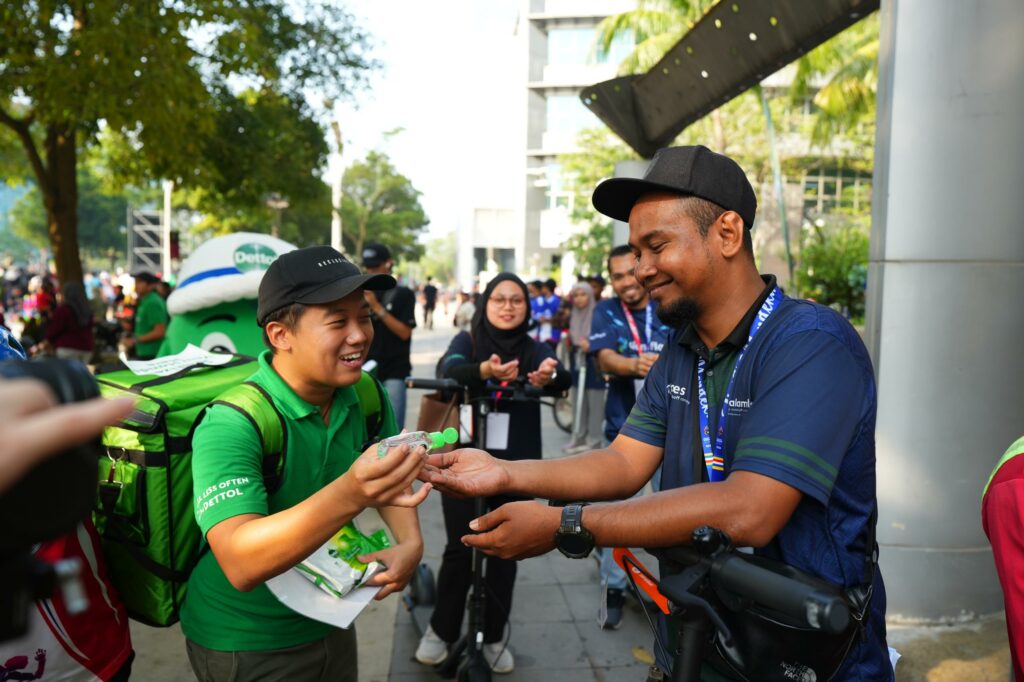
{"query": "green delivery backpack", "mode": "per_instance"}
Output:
(144, 506)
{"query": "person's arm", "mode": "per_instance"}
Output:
(252, 546)
(810, 403)
(402, 559)
(157, 333)
(457, 363)
(750, 508)
(34, 426)
(402, 322)
(604, 345)
(59, 323)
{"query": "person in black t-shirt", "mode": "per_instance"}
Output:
(394, 318)
(429, 303)
(497, 349)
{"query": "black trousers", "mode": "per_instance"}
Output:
(456, 575)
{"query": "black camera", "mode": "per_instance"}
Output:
(49, 501)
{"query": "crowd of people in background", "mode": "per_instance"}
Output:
(90, 320)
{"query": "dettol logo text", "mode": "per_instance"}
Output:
(253, 257)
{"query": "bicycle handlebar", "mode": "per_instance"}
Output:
(735, 573)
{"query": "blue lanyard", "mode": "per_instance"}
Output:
(640, 347)
(714, 459)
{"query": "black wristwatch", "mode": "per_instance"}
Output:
(571, 538)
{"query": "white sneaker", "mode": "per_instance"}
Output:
(432, 649)
(499, 657)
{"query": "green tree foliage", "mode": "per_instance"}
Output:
(833, 263)
(162, 76)
(100, 216)
(380, 204)
(599, 151)
(846, 102)
(438, 260)
(656, 25)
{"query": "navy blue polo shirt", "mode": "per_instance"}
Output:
(802, 411)
(609, 329)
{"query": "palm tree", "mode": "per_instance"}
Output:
(849, 60)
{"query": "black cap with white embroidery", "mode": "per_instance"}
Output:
(313, 275)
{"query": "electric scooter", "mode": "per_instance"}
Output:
(714, 571)
(466, 660)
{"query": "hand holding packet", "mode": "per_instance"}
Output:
(335, 567)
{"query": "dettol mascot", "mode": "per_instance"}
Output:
(214, 304)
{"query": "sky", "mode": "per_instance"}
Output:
(454, 79)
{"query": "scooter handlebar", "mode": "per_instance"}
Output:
(433, 384)
(806, 604)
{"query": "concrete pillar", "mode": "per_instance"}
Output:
(946, 292)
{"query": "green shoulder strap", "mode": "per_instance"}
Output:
(256, 405)
(371, 402)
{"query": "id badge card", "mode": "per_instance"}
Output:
(497, 431)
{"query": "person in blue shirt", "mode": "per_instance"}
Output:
(626, 337)
(614, 345)
(760, 409)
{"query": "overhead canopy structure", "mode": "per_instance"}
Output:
(732, 48)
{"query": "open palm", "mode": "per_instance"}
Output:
(467, 472)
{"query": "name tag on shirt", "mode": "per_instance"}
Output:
(465, 424)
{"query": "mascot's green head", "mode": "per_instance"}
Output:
(214, 304)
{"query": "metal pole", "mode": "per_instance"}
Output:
(165, 237)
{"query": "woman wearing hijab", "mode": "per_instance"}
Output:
(70, 333)
(497, 349)
(587, 431)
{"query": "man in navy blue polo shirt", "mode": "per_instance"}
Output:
(625, 338)
(760, 408)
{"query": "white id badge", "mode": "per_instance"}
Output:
(465, 424)
(638, 385)
(497, 431)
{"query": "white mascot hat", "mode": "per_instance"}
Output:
(224, 269)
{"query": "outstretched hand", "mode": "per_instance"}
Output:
(466, 472)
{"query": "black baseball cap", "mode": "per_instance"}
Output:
(374, 254)
(147, 277)
(688, 171)
(313, 275)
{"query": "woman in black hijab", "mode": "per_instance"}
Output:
(496, 350)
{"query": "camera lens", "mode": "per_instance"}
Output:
(59, 492)
(70, 381)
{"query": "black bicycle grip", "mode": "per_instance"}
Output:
(806, 604)
(433, 384)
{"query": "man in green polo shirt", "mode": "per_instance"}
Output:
(317, 325)
(150, 317)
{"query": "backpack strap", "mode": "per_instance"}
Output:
(254, 403)
(371, 401)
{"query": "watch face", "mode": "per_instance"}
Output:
(575, 544)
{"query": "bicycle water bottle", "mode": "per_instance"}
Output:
(429, 440)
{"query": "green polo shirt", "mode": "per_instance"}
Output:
(151, 312)
(226, 468)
